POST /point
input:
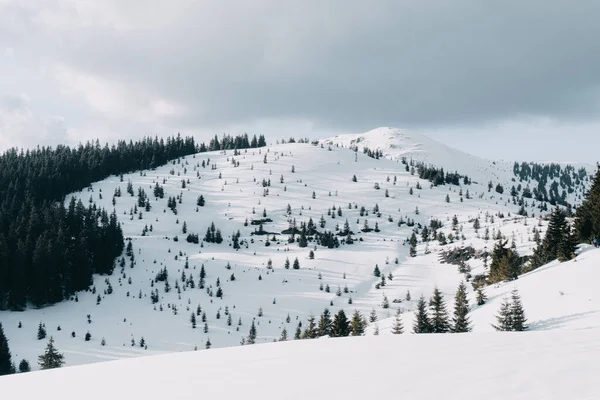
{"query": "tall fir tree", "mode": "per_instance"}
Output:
(252, 334)
(324, 326)
(311, 329)
(6, 365)
(51, 357)
(460, 320)
(341, 325)
(439, 314)
(587, 216)
(421, 323)
(504, 317)
(398, 326)
(357, 324)
(517, 313)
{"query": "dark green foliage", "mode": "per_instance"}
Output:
(460, 320)
(24, 366)
(324, 326)
(518, 320)
(51, 357)
(41, 334)
(340, 326)
(421, 323)
(587, 216)
(439, 315)
(6, 365)
(559, 242)
(38, 261)
(503, 319)
(481, 297)
(511, 316)
(252, 334)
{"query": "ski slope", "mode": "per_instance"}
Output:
(491, 366)
(315, 179)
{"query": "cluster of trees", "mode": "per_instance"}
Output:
(228, 142)
(49, 251)
(436, 319)
(50, 359)
(511, 316)
(559, 242)
(437, 176)
(567, 179)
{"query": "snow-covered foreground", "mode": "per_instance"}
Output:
(314, 181)
(490, 366)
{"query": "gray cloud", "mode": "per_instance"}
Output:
(340, 65)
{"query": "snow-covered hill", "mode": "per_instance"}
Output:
(491, 366)
(397, 144)
(315, 182)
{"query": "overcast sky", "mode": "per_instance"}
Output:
(501, 79)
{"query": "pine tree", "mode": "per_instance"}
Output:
(51, 357)
(252, 334)
(460, 320)
(41, 332)
(421, 323)
(357, 324)
(311, 329)
(6, 364)
(193, 320)
(324, 326)
(340, 326)
(373, 316)
(587, 216)
(439, 318)
(517, 313)
(24, 366)
(398, 327)
(481, 297)
(284, 335)
(504, 317)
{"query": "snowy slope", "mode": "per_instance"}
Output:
(491, 366)
(398, 143)
(234, 194)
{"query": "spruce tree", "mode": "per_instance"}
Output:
(481, 297)
(439, 315)
(6, 364)
(324, 326)
(284, 335)
(504, 317)
(340, 326)
(24, 366)
(252, 334)
(398, 327)
(460, 319)
(357, 324)
(421, 323)
(51, 357)
(587, 216)
(517, 313)
(311, 329)
(41, 332)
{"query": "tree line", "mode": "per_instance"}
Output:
(49, 251)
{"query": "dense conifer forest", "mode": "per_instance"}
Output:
(48, 251)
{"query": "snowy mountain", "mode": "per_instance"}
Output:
(267, 194)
